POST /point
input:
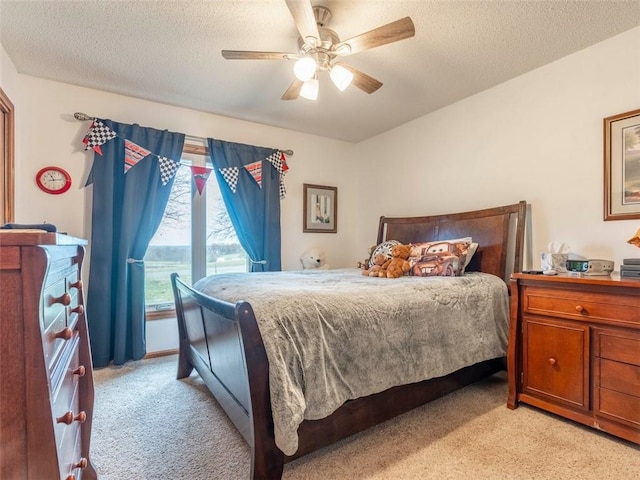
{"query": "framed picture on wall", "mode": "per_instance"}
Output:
(622, 166)
(320, 209)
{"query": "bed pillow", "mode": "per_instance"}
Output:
(383, 248)
(445, 258)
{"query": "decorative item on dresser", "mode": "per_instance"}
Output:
(574, 349)
(46, 386)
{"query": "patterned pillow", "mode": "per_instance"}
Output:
(383, 248)
(445, 258)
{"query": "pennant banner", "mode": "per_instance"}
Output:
(133, 154)
(278, 160)
(98, 134)
(283, 192)
(168, 169)
(255, 169)
(230, 175)
(200, 176)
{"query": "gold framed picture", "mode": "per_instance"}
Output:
(622, 166)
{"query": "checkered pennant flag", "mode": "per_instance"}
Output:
(230, 175)
(98, 134)
(168, 169)
(283, 192)
(278, 160)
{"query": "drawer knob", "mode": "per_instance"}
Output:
(77, 285)
(68, 418)
(65, 334)
(80, 371)
(552, 361)
(79, 310)
(82, 464)
(579, 308)
(64, 299)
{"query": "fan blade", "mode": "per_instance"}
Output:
(361, 80)
(391, 32)
(305, 20)
(243, 55)
(293, 91)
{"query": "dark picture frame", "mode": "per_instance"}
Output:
(622, 166)
(320, 209)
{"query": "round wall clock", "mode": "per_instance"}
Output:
(53, 180)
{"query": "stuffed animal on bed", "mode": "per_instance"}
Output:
(313, 258)
(364, 265)
(378, 260)
(397, 265)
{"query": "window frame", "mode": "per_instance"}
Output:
(159, 311)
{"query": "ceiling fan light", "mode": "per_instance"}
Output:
(341, 77)
(343, 49)
(310, 88)
(305, 68)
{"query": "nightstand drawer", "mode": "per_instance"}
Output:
(618, 405)
(620, 377)
(615, 346)
(590, 306)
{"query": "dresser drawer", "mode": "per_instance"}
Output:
(53, 306)
(590, 306)
(64, 389)
(69, 452)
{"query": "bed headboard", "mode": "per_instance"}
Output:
(499, 232)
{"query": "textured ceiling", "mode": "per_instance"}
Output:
(169, 52)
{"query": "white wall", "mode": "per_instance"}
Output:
(8, 75)
(538, 138)
(47, 133)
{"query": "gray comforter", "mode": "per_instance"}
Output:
(335, 335)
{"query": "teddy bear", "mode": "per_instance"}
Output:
(378, 260)
(364, 265)
(397, 265)
(313, 258)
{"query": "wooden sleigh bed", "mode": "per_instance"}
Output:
(223, 342)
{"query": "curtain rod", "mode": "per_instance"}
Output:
(84, 117)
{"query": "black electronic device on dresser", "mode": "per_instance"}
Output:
(46, 386)
(630, 268)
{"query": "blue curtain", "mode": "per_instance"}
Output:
(254, 211)
(127, 210)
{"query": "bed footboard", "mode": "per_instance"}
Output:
(223, 343)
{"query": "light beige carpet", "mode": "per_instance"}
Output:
(148, 425)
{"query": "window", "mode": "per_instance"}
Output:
(195, 237)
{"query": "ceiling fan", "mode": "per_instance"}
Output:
(320, 49)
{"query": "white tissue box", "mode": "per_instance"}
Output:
(554, 261)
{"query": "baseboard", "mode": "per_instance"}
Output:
(161, 353)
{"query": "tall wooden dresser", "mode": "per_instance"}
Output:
(46, 381)
(574, 349)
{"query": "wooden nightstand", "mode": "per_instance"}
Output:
(574, 349)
